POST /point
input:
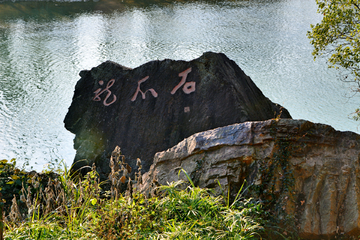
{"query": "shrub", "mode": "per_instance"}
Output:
(78, 208)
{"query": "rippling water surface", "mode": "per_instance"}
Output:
(44, 45)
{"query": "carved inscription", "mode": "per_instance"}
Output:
(100, 91)
(138, 90)
(187, 87)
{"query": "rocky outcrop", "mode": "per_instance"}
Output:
(299, 169)
(153, 107)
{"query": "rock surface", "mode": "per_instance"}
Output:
(302, 170)
(153, 107)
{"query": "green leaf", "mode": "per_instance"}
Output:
(15, 177)
(337, 36)
(93, 201)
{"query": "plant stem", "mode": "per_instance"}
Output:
(1, 218)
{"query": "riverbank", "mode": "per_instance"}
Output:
(51, 205)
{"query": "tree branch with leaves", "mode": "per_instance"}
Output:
(337, 37)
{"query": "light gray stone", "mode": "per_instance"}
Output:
(311, 169)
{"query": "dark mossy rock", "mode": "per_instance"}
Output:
(153, 107)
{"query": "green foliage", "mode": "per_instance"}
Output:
(338, 34)
(58, 209)
(12, 180)
(338, 37)
(10, 176)
(192, 213)
(23, 192)
(66, 208)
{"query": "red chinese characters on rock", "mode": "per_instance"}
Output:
(100, 91)
(138, 90)
(187, 87)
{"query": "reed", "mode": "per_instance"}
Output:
(67, 207)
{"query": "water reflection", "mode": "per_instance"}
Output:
(44, 45)
(89, 38)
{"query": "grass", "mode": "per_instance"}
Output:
(66, 207)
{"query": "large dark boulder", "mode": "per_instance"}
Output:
(153, 107)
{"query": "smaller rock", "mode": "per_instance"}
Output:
(308, 172)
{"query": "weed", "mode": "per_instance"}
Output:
(72, 208)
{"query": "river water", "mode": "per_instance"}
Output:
(44, 45)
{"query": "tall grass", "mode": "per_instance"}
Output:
(71, 208)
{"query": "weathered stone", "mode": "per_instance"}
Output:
(300, 169)
(155, 106)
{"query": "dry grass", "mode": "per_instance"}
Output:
(67, 207)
